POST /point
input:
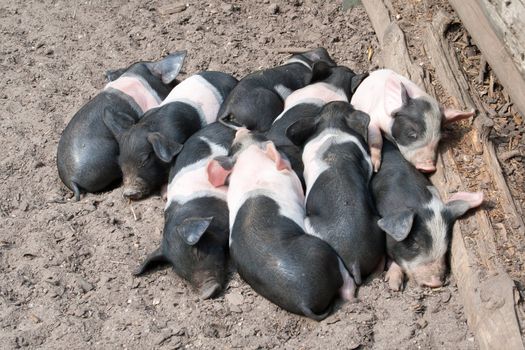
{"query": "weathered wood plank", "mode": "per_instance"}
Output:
(454, 81)
(489, 305)
(479, 27)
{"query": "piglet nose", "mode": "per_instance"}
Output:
(131, 193)
(433, 282)
(426, 167)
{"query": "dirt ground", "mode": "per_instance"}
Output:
(66, 266)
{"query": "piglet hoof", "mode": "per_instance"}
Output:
(376, 159)
(164, 192)
(209, 291)
(394, 277)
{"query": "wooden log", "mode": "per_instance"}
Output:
(488, 302)
(479, 27)
(456, 84)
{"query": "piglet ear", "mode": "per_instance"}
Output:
(169, 67)
(301, 130)
(114, 74)
(273, 153)
(320, 71)
(359, 121)
(453, 115)
(356, 81)
(218, 170)
(398, 226)
(461, 202)
(163, 147)
(117, 122)
(192, 229)
(396, 95)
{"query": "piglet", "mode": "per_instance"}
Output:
(87, 155)
(407, 115)
(195, 239)
(417, 222)
(328, 83)
(273, 254)
(259, 97)
(148, 148)
(337, 170)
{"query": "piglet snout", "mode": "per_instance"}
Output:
(432, 282)
(426, 167)
(132, 193)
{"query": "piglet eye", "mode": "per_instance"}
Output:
(412, 134)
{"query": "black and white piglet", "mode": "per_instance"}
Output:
(148, 147)
(328, 83)
(87, 154)
(417, 222)
(337, 170)
(195, 239)
(273, 254)
(259, 97)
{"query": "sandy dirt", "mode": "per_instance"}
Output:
(66, 266)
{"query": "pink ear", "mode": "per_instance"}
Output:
(392, 98)
(217, 175)
(273, 153)
(474, 199)
(453, 115)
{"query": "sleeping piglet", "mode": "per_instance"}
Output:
(407, 115)
(268, 244)
(87, 155)
(259, 97)
(195, 238)
(149, 147)
(417, 221)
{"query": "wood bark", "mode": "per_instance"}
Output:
(476, 21)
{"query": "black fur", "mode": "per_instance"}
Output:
(296, 271)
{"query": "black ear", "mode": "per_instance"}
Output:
(117, 122)
(320, 71)
(152, 260)
(192, 229)
(398, 226)
(169, 67)
(164, 148)
(359, 121)
(405, 98)
(319, 54)
(457, 208)
(114, 74)
(356, 81)
(301, 130)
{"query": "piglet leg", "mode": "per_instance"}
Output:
(164, 192)
(375, 142)
(347, 290)
(394, 277)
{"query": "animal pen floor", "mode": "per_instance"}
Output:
(65, 266)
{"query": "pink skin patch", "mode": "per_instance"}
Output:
(138, 90)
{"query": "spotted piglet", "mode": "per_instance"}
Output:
(148, 148)
(259, 97)
(417, 222)
(195, 238)
(87, 154)
(268, 244)
(407, 115)
(337, 170)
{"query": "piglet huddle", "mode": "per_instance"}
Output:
(277, 171)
